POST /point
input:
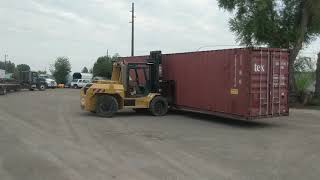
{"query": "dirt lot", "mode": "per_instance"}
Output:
(45, 135)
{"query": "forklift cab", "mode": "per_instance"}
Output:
(139, 79)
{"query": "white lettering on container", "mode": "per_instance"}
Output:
(258, 68)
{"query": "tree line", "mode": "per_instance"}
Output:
(61, 68)
(10, 67)
(101, 68)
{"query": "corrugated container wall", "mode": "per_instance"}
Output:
(243, 83)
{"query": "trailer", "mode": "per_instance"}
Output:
(8, 86)
(243, 83)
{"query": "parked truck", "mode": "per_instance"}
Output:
(244, 83)
(23, 80)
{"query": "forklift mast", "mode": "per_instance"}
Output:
(154, 62)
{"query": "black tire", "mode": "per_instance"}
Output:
(75, 86)
(42, 87)
(106, 106)
(158, 106)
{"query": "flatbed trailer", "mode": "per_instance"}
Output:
(8, 86)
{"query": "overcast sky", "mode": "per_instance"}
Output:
(35, 32)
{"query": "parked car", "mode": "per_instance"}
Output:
(79, 83)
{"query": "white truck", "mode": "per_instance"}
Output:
(79, 83)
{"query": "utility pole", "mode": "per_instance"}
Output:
(317, 86)
(5, 61)
(132, 30)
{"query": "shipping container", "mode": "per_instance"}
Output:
(244, 83)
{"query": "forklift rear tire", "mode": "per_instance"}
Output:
(106, 106)
(159, 106)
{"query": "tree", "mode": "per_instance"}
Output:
(303, 64)
(23, 67)
(85, 70)
(317, 88)
(103, 66)
(8, 66)
(42, 72)
(304, 77)
(276, 23)
(60, 69)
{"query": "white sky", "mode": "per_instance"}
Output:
(35, 32)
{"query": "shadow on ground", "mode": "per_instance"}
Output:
(247, 124)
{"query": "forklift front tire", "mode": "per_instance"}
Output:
(159, 106)
(106, 106)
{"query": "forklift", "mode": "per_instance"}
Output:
(135, 86)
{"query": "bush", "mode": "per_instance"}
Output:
(303, 81)
(315, 101)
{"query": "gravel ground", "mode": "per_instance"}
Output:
(45, 135)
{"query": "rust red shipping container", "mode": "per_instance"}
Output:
(245, 83)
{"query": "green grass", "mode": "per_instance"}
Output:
(304, 80)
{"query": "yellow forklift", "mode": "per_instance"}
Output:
(132, 85)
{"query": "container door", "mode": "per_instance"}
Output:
(279, 83)
(260, 83)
